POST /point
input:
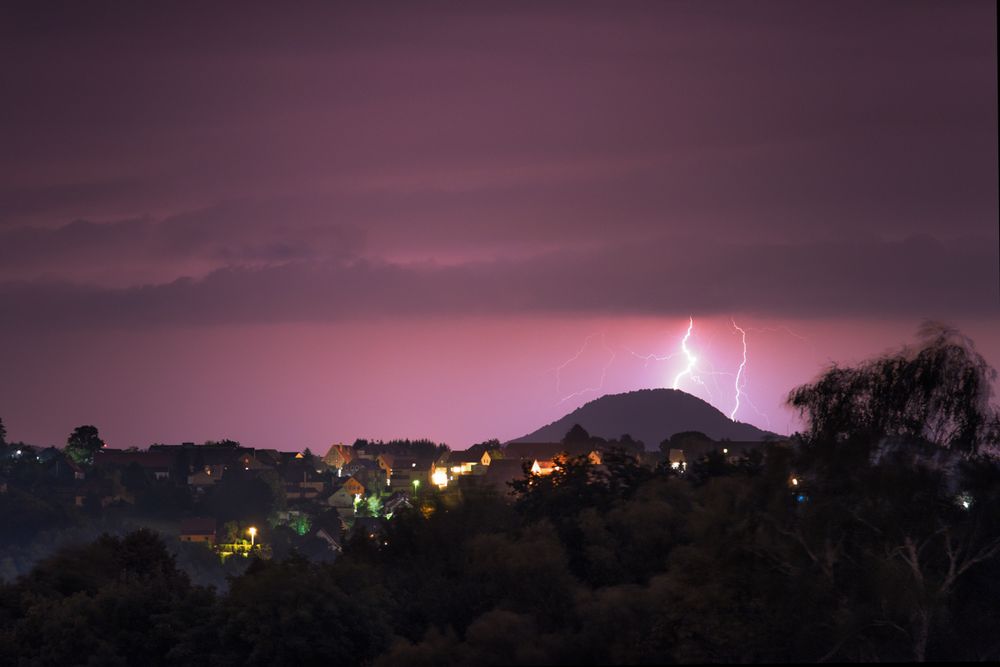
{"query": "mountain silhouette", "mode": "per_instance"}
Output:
(650, 415)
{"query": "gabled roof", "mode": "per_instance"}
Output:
(340, 483)
(300, 471)
(466, 456)
(149, 460)
(345, 452)
(400, 464)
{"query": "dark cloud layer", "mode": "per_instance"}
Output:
(913, 278)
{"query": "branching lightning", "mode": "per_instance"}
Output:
(575, 357)
(693, 371)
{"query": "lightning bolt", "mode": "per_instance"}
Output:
(739, 373)
(692, 360)
(604, 370)
(694, 370)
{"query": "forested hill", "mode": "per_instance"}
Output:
(650, 415)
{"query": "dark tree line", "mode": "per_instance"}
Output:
(871, 537)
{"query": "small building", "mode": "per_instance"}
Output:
(157, 463)
(205, 477)
(548, 451)
(397, 501)
(302, 481)
(338, 455)
(544, 466)
(468, 462)
(198, 529)
(345, 495)
(408, 473)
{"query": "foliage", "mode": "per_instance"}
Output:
(83, 443)
(938, 391)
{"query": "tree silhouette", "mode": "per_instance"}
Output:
(937, 392)
(576, 436)
(82, 443)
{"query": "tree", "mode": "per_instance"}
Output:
(900, 511)
(576, 435)
(83, 443)
(3, 433)
(225, 442)
(937, 392)
(685, 440)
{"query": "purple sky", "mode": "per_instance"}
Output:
(294, 226)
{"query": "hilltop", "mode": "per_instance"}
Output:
(650, 415)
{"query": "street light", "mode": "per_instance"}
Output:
(416, 485)
(253, 534)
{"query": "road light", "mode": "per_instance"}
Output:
(253, 534)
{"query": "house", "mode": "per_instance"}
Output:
(547, 451)
(544, 466)
(198, 529)
(385, 462)
(411, 472)
(157, 463)
(301, 481)
(206, 476)
(344, 496)
(268, 457)
(397, 501)
(338, 455)
(468, 462)
(356, 466)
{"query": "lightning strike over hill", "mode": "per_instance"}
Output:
(692, 360)
(739, 372)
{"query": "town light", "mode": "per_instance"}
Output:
(253, 534)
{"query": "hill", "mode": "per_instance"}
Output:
(650, 415)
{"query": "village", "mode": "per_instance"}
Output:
(238, 500)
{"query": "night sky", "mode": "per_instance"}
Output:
(304, 224)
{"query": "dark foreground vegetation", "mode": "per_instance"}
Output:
(874, 536)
